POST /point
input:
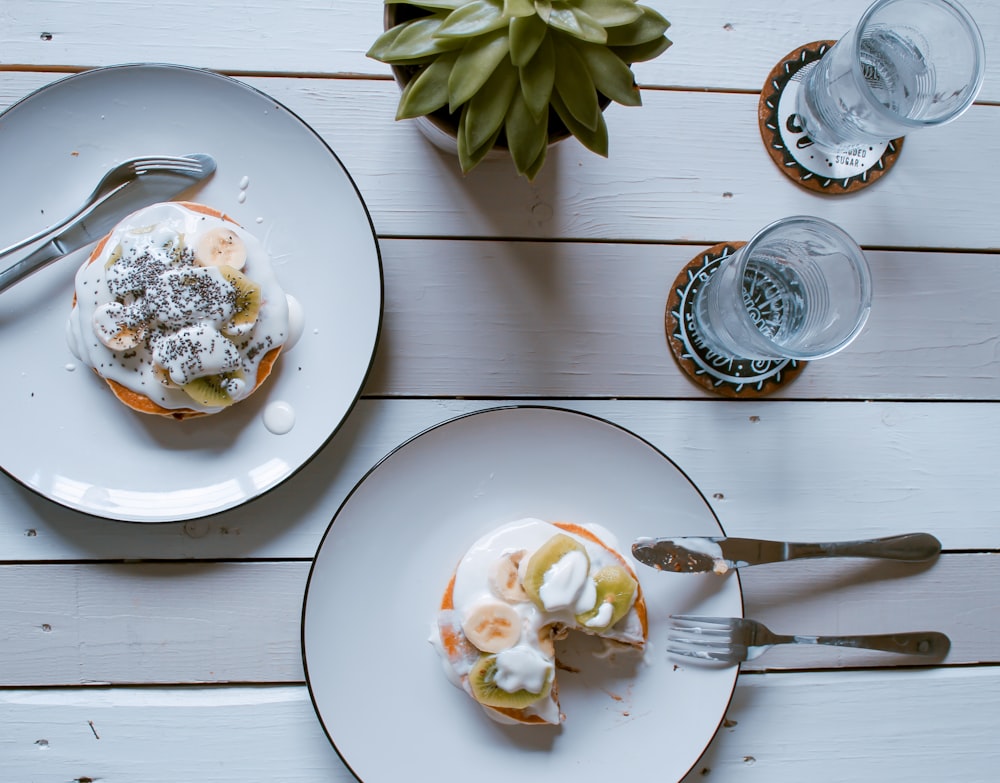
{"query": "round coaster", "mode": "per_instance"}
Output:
(731, 377)
(829, 170)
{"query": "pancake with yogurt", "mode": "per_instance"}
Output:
(515, 592)
(179, 310)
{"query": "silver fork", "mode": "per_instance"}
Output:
(733, 639)
(115, 179)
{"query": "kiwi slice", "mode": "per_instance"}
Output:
(615, 586)
(247, 296)
(542, 559)
(482, 680)
(212, 390)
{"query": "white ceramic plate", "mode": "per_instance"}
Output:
(377, 684)
(65, 435)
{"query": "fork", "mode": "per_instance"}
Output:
(114, 180)
(734, 639)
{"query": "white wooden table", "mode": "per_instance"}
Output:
(172, 652)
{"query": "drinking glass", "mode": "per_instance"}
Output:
(799, 289)
(907, 64)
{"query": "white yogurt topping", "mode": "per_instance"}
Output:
(153, 314)
(603, 616)
(522, 668)
(193, 351)
(564, 580)
(180, 296)
(296, 321)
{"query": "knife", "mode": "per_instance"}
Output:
(138, 192)
(721, 555)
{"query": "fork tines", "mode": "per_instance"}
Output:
(166, 163)
(706, 638)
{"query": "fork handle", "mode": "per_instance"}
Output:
(911, 548)
(929, 643)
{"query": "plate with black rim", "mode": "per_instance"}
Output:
(66, 436)
(376, 682)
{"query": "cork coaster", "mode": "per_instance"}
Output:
(730, 377)
(828, 170)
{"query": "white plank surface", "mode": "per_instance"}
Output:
(181, 623)
(544, 319)
(674, 191)
(239, 622)
(806, 471)
(920, 726)
(717, 44)
(703, 181)
(927, 726)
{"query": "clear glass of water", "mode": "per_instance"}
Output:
(799, 289)
(907, 64)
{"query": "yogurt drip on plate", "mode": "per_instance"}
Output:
(169, 300)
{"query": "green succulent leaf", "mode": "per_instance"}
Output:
(487, 109)
(595, 140)
(648, 27)
(527, 135)
(476, 63)
(544, 9)
(574, 84)
(431, 5)
(418, 39)
(428, 91)
(380, 49)
(526, 35)
(516, 9)
(532, 171)
(576, 23)
(476, 18)
(610, 13)
(640, 53)
(611, 76)
(469, 159)
(538, 78)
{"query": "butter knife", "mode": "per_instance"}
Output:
(141, 191)
(693, 554)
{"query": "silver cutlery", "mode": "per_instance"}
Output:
(733, 639)
(696, 554)
(130, 185)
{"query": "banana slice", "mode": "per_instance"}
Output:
(116, 329)
(492, 626)
(505, 581)
(221, 247)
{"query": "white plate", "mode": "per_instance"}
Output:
(65, 436)
(377, 684)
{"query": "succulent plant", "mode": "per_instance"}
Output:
(515, 73)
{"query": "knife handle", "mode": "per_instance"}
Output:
(910, 548)
(32, 262)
